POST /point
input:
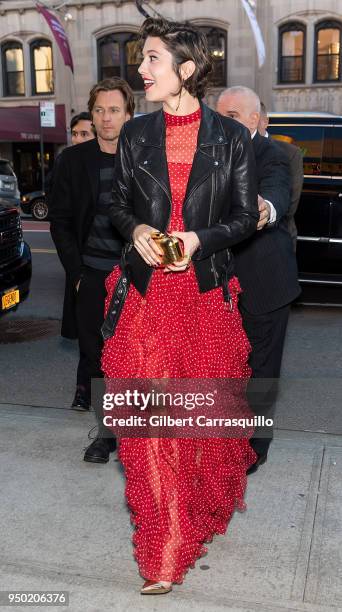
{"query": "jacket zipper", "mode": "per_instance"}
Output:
(170, 208)
(163, 188)
(139, 185)
(156, 180)
(204, 178)
(212, 257)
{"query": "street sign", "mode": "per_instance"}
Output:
(47, 114)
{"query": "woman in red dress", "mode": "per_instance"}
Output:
(186, 171)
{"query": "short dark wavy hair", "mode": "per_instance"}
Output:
(80, 117)
(113, 84)
(185, 42)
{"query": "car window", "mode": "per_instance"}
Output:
(337, 152)
(315, 144)
(5, 168)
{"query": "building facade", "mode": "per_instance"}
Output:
(302, 71)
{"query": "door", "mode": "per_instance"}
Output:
(335, 245)
(26, 161)
(314, 210)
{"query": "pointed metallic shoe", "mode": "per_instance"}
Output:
(151, 587)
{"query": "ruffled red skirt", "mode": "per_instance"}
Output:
(180, 491)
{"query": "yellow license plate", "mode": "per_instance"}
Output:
(10, 299)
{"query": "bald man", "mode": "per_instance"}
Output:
(265, 265)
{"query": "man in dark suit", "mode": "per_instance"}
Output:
(295, 158)
(87, 244)
(81, 131)
(265, 265)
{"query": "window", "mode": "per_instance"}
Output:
(13, 69)
(217, 40)
(313, 216)
(119, 55)
(41, 67)
(315, 146)
(328, 51)
(337, 152)
(291, 67)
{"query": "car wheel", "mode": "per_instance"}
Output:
(39, 210)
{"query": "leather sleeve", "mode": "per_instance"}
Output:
(240, 219)
(121, 208)
(61, 219)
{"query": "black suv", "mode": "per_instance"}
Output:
(319, 214)
(15, 258)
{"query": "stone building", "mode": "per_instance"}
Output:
(303, 68)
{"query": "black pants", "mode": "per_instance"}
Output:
(266, 334)
(89, 315)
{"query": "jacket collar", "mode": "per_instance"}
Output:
(210, 134)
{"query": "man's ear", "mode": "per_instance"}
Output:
(255, 118)
(187, 69)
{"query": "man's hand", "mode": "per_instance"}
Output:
(265, 212)
(145, 246)
(191, 243)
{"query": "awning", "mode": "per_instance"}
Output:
(21, 124)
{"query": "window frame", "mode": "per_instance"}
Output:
(291, 26)
(11, 44)
(327, 25)
(205, 28)
(40, 42)
(121, 37)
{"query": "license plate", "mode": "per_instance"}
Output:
(10, 299)
(8, 186)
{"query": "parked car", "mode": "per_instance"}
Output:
(35, 204)
(319, 214)
(8, 183)
(15, 258)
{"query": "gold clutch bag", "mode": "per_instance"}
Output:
(171, 247)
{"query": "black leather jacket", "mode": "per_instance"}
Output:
(220, 204)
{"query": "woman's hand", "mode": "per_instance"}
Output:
(191, 244)
(145, 246)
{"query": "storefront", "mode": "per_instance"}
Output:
(20, 136)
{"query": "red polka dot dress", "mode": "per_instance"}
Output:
(180, 491)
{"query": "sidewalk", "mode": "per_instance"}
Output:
(65, 526)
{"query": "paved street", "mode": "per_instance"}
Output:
(66, 524)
